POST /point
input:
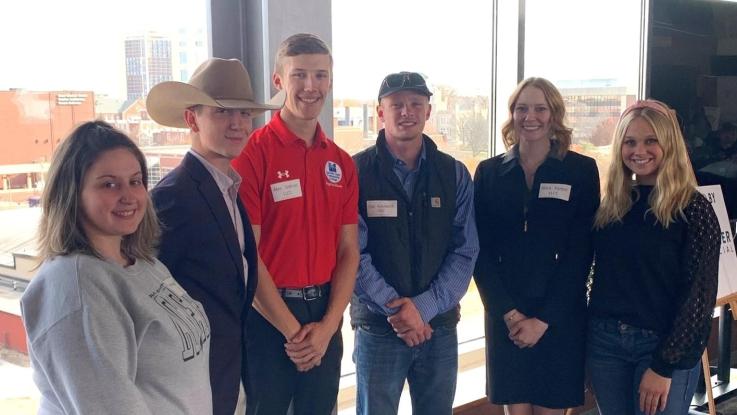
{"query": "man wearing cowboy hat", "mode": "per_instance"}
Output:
(207, 242)
(300, 191)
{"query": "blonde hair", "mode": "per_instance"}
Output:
(561, 132)
(60, 231)
(675, 184)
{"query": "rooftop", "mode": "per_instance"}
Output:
(19, 233)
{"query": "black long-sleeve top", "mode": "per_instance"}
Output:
(660, 279)
(535, 249)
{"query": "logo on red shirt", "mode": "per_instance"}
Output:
(333, 172)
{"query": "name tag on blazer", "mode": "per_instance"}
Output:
(381, 208)
(286, 190)
(555, 191)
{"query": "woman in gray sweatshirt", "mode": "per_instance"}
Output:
(109, 330)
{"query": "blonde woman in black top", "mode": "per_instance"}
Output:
(655, 278)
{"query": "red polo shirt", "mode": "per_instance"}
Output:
(301, 197)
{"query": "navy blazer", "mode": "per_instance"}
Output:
(200, 247)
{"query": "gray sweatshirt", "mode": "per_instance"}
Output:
(104, 339)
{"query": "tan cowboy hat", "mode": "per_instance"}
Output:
(217, 82)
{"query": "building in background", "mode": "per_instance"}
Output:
(189, 50)
(593, 107)
(34, 123)
(148, 61)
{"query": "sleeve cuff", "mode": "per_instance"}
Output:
(378, 300)
(382, 302)
(426, 305)
(546, 316)
(662, 368)
(500, 307)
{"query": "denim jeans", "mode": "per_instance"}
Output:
(383, 361)
(617, 355)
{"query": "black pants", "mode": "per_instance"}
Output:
(273, 378)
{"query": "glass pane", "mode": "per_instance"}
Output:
(86, 59)
(693, 61)
(506, 66)
(450, 44)
(68, 62)
(592, 56)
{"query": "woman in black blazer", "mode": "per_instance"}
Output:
(534, 210)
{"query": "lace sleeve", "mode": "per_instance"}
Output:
(684, 344)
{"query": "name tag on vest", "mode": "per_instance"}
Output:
(286, 190)
(555, 191)
(381, 208)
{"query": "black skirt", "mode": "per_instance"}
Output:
(549, 374)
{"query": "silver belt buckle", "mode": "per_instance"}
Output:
(311, 292)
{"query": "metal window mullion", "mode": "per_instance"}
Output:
(643, 74)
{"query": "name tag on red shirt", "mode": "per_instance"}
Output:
(286, 190)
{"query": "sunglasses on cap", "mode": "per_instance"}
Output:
(403, 81)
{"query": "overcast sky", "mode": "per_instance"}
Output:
(78, 44)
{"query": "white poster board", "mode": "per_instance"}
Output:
(727, 258)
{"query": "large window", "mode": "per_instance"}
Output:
(72, 61)
(590, 51)
(80, 60)
(450, 44)
(67, 62)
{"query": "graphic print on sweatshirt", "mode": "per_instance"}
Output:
(188, 317)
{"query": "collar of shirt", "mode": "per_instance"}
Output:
(402, 166)
(404, 174)
(287, 137)
(511, 157)
(225, 182)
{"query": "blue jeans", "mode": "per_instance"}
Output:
(617, 355)
(383, 361)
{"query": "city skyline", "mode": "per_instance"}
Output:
(79, 44)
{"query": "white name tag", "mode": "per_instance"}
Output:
(555, 191)
(289, 189)
(381, 208)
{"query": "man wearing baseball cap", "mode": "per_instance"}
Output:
(418, 244)
(300, 191)
(206, 240)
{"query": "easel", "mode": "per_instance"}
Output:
(721, 382)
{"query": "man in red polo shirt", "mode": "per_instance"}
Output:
(301, 195)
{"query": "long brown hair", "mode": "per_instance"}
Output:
(60, 231)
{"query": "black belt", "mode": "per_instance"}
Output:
(308, 293)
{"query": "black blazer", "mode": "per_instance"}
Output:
(535, 251)
(200, 247)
